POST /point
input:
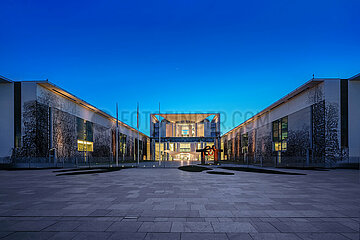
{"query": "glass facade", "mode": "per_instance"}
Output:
(183, 134)
(184, 130)
(84, 130)
(85, 135)
(280, 134)
(184, 147)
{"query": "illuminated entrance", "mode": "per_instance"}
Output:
(175, 151)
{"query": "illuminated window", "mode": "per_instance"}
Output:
(210, 144)
(222, 147)
(85, 146)
(277, 146)
(85, 134)
(185, 130)
(184, 147)
(280, 134)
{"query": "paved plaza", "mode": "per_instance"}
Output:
(173, 204)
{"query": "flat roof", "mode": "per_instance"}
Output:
(355, 78)
(5, 80)
(57, 90)
(297, 91)
(178, 117)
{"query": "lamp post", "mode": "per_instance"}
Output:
(138, 156)
(117, 138)
(159, 137)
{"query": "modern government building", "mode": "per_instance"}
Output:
(317, 124)
(180, 135)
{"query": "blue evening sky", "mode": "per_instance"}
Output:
(233, 57)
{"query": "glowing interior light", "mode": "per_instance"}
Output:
(85, 146)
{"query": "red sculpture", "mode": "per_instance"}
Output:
(209, 151)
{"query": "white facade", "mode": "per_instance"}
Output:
(6, 119)
(323, 115)
(53, 97)
(299, 108)
(354, 120)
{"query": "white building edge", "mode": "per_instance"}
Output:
(317, 124)
(39, 109)
(321, 112)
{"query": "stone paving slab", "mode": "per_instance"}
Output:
(63, 235)
(163, 236)
(172, 204)
(126, 235)
(203, 236)
(233, 227)
(125, 227)
(192, 227)
(274, 236)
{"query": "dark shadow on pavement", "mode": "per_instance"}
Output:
(220, 173)
(89, 170)
(260, 170)
(193, 168)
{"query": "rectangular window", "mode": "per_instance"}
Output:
(84, 130)
(85, 134)
(222, 147)
(17, 114)
(85, 146)
(229, 148)
(184, 147)
(122, 144)
(244, 143)
(185, 131)
(344, 113)
(89, 131)
(280, 134)
(277, 146)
